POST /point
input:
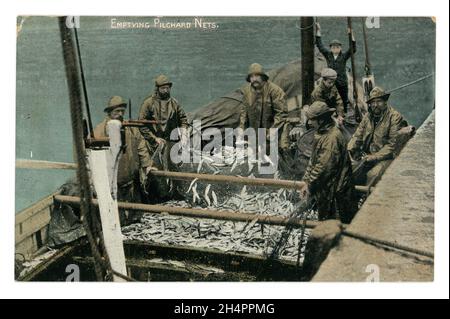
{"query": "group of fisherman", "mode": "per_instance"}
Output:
(329, 177)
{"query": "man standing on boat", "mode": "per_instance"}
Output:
(135, 156)
(377, 137)
(264, 104)
(337, 60)
(328, 177)
(327, 92)
(161, 107)
(169, 114)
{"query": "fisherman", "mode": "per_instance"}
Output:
(264, 104)
(337, 60)
(135, 157)
(328, 177)
(376, 140)
(327, 92)
(169, 114)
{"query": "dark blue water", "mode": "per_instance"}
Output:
(203, 64)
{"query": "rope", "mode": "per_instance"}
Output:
(372, 240)
(127, 278)
(302, 235)
(305, 28)
(411, 83)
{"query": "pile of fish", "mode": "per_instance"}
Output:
(240, 237)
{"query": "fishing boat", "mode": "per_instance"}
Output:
(152, 261)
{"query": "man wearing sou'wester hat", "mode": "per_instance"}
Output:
(376, 138)
(135, 157)
(264, 103)
(328, 177)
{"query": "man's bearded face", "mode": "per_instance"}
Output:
(164, 92)
(256, 81)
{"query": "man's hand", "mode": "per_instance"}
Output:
(303, 189)
(160, 140)
(148, 169)
(340, 120)
(370, 158)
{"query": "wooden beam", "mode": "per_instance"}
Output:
(201, 213)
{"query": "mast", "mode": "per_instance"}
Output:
(352, 57)
(76, 113)
(368, 80)
(307, 55)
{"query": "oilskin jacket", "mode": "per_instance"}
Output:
(265, 109)
(329, 172)
(330, 96)
(136, 153)
(338, 64)
(378, 139)
(170, 115)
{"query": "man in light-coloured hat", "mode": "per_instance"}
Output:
(264, 103)
(327, 92)
(375, 139)
(160, 106)
(337, 60)
(328, 177)
(136, 156)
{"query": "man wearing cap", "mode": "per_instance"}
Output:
(160, 106)
(375, 139)
(337, 60)
(328, 177)
(264, 103)
(327, 92)
(136, 154)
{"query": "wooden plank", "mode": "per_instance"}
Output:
(33, 224)
(109, 211)
(36, 164)
(35, 208)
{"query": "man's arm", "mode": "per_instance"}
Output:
(326, 157)
(356, 141)
(339, 104)
(145, 114)
(387, 151)
(145, 159)
(319, 43)
(348, 53)
(324, 50)
(182, 118)
(279, 105)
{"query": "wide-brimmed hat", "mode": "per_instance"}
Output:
(256, 68)
(162, 80)
(115, 102)
(378, 93)
(317, 109)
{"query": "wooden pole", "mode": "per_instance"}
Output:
(76, 113)
(276, 183)
(200, 213)
(357, 111)
(104, 168)
(307, 55)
